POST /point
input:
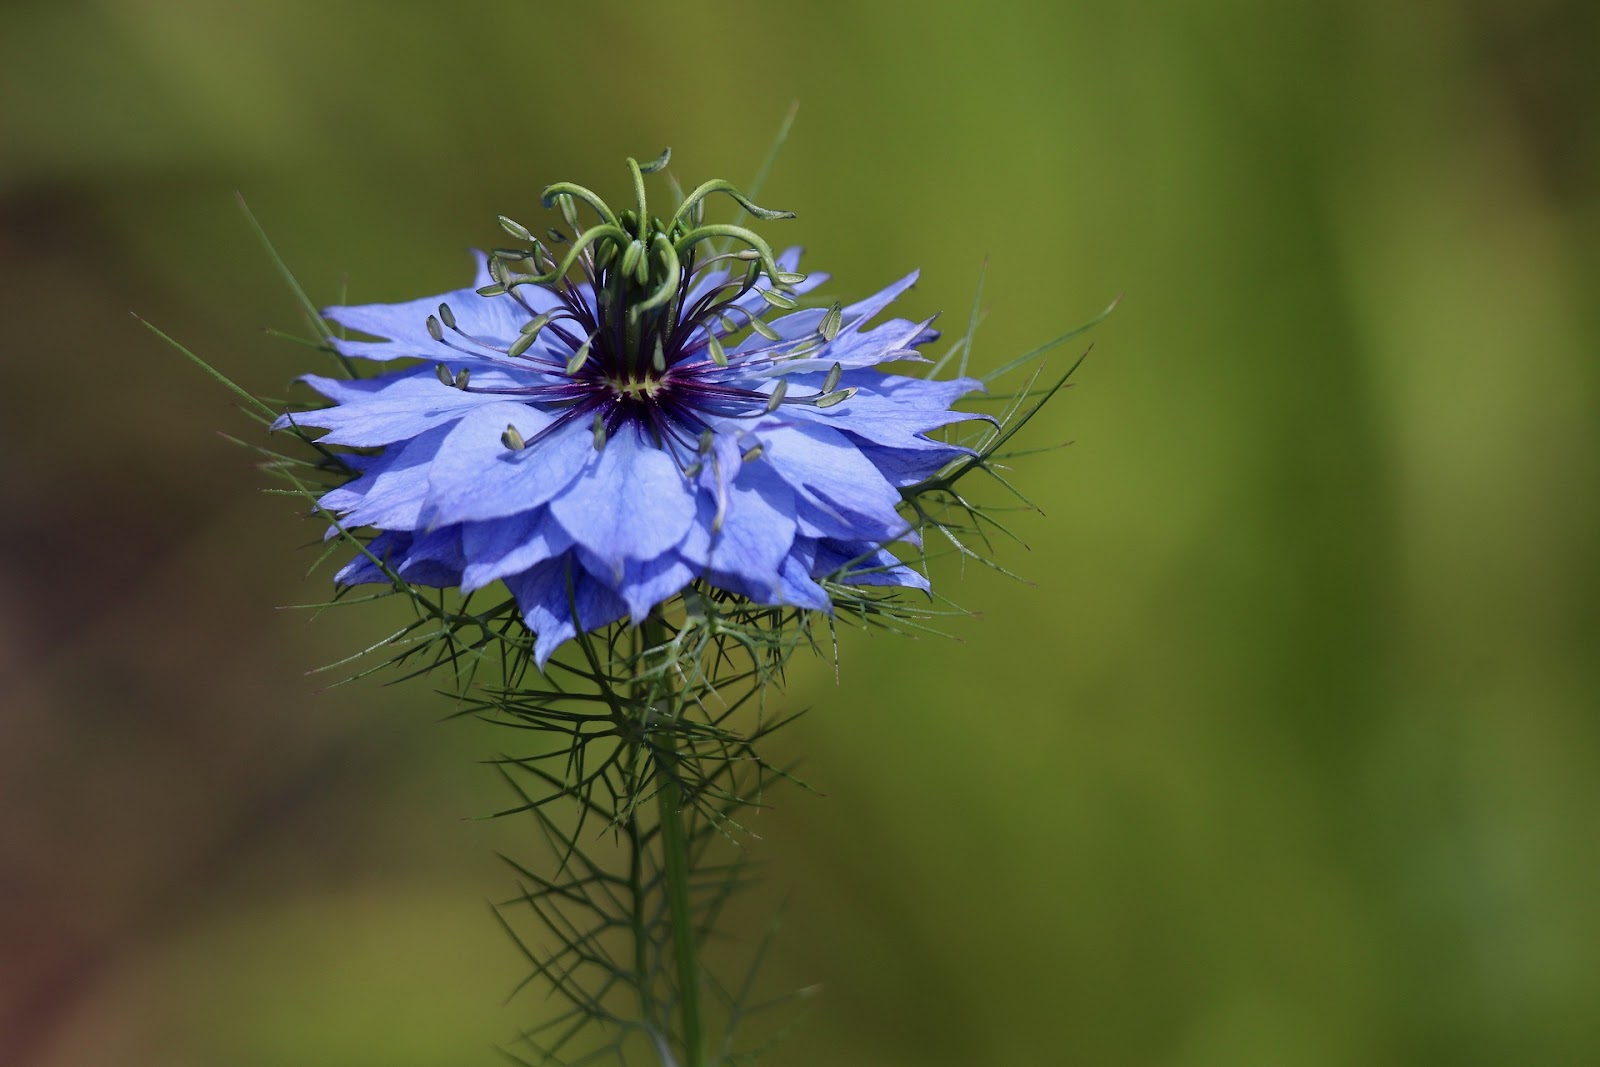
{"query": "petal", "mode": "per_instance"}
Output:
(830, 474)
(868, 565)
(645, 583)
(434, 559)
(383, 410)
(557, 597)
(893, 415)
(798, 589)
(631, 504)
(510, 545)
(908, 466)
(475, 477)
(363, 570)
(492, 321)
(860, 313)
(389, 494)
(757, 531)
(852, 350)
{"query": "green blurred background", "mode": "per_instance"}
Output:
(1291, 754)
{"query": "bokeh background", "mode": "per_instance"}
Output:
(1290, 754)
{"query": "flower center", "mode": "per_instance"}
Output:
(640, 309)
(636, 389)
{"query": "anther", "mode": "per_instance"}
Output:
(443, 373)
(463, 376)
(831, 382)
(777, 395)
(569, 211)
(829, 329)
(599, 431)
(579, 358)
(522, 344)
(515, 229)
(719, 355)
(435, 331)
(447, 316)
(512, 439)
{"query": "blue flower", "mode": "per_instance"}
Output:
(605, 432)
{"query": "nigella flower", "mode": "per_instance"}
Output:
(631, 416)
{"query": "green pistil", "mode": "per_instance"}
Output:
(640, 265)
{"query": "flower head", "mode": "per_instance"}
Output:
(613, 414)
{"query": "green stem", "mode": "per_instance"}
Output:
(675, 863)
(675, 852)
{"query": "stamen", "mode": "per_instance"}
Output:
(777, 395)
(829, 328)
(515, 229)
(831, 382)
(579, 358)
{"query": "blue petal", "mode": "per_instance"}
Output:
(389, 493)
(894, 415)
(860, 313)
(798, 589)
(908, 466)
(633, 503)
(388, 547)
(857, 350)
(758, 529)
(829, 473)
(381, 411)
(475, 476)
(493, 321)
(548, 604)
(498, 547)
(869, 565)
(645, 583)
(432, 559)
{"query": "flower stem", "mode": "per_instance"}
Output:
(675, 864)
(675, 853)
